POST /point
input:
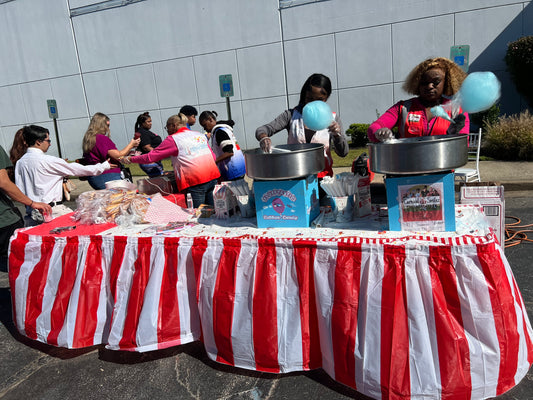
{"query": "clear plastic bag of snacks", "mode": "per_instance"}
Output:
(111, 205)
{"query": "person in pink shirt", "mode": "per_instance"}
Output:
(98, 147)
(434, 82)
(192, 159)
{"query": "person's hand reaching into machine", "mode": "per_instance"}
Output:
(457, 124)
(384, 134)
(265, 144)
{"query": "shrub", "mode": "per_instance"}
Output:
(519, 60)
(358, 134)
(484, 118)
(510, 138)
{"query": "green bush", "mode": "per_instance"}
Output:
(358, 134)
(519, 60)
(510, 138)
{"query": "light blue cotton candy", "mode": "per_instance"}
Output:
(438, 111)
(479, 91)
(317, 115)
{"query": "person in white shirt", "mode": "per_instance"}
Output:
(40, 176)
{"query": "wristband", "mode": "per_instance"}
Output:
(263, 138)
(31, 204)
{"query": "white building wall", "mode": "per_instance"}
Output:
(157, 55)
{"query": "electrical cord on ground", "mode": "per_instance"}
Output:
(515, 233)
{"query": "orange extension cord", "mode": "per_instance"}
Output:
(515, 233)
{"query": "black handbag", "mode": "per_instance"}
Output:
(125, 173)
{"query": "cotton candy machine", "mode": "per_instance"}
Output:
(286, 184)
(287, 161)
(420, 182)
(420, 155)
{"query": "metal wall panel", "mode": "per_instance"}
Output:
(71, 132)
(415, 41)
(36, 41)
(69, 95)
(137, 88)
(151, 31)
(12, 107)
(175, 83)
(260, 71)
(207, 69)
(35, 95)
(307, 56)
(343, 15)
(354, 67)
(103, 93)
(158, 55)
(358, 103)
(259, 112)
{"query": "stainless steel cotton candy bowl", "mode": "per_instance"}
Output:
(300, 161)
(420, 155)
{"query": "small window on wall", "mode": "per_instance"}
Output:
(292, 3)
(93, 6)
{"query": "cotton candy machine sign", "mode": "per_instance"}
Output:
(421, 203)
(278, 193)
(278, 204)
(286, 203)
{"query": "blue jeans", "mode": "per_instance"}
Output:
(202, 193)
(153, 169)
(98, 182)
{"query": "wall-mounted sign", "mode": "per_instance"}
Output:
(459, 55)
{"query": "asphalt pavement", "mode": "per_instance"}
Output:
(30, 369)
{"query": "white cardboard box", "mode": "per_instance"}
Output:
(491, 198)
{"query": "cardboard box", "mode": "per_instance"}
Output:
(421, 202)
(288, 203)
(490, 196)
(225, 202)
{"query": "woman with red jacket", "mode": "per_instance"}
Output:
(434, 81)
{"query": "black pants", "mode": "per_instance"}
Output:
(5, 234)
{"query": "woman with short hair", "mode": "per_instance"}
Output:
(192, 159)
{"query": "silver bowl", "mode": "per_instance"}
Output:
(420, 155)
(299, 161)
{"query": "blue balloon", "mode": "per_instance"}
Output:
(479, 91)
(317, 115)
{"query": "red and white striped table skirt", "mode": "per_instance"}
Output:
(419, 318)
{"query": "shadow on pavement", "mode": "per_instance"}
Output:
(6, 319)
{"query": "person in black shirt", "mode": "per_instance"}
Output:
(149, 141)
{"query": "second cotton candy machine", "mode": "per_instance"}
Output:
(419, 155)
(420, 180)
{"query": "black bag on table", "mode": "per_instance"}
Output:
(125, 173)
